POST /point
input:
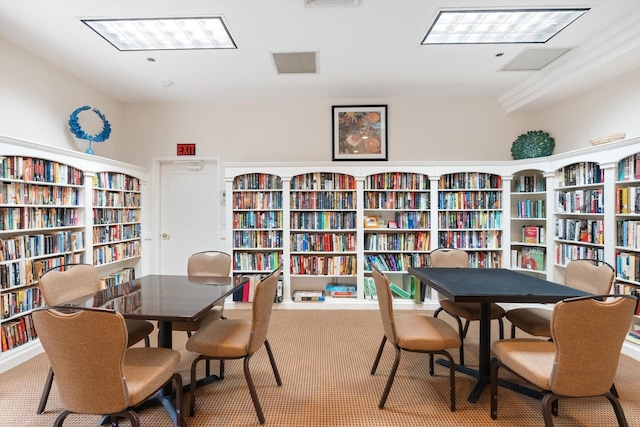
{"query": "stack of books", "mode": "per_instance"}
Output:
(337, 290)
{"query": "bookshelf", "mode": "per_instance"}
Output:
(528, 222)
(627, 216)
(117, 231)
(257, 223)
(470, 216)
(47, 207)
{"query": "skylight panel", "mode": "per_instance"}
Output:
(499, 26)
(164, 33)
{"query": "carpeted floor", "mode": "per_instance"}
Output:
(324, 358)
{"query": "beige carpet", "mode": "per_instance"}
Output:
(324, 358)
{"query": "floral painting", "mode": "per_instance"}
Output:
(360, 132)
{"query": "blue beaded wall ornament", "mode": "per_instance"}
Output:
(76, 129)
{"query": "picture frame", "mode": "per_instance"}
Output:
(359, 132)
(392, 224)
(371, 222)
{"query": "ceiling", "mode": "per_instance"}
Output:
(370, 51)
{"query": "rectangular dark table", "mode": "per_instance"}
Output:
(165, 298)
(486, 286)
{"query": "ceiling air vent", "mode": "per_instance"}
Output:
(534, 59)
(330, 3)
(295, 62)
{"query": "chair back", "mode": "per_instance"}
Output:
(209, 263)
(385, 302)
(86, 350)
(67, 282)
(448, 258)
(261, 309)
(588, 335)
(595, 277)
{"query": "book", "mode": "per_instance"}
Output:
(299, 296)
(533, 259)
(399, 291)
(531, 234)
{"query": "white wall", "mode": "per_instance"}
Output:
(36, 100)
(611, 108)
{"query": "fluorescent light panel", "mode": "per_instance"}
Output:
(164, 33)
(499, 26)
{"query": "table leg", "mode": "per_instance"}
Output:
(484, 353)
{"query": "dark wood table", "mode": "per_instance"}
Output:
(165, 299)
(486, 286)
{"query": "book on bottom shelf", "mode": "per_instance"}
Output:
(300, 296)
(532, 259)
(340, 291)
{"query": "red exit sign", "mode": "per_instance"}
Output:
(186, 149)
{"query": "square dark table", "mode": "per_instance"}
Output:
(486, 286)
(165, 298)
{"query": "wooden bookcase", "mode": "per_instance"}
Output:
(48, 205)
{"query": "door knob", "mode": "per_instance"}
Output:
(165, 236)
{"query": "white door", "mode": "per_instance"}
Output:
(189, 212)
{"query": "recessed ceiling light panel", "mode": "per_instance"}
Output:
(164, 33)
(499, 26)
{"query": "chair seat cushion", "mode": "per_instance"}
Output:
(470, 310)
(226, 339)
(147, 369)
(532, 358)
(425, 333)
(137, 330)
(534, 321)
(214, 314)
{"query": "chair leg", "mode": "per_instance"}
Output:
(272, 360)
(431, 371)
(452, 378)
(252, 390)
(379, 355)
(548, 401)
(513, 331)
(495, 364)
(147, 341)
(60, 418)
(461, 333)
(622, 421)
(221, 373)
(177, 378)
(45, 392)
(192, 386)
(392, 375)
(466, 328)
(435, 313)
(614, 391)
(501, 332)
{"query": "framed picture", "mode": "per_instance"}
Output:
(360, 132)
(392, 224)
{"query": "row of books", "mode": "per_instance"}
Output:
(16, 193)
(417, 241)
(39, 170)
(257, 261)
(16, 333)
(628, 200)
(470, 180)
(470, 200)
(533, 234)
(31, 217)
(116, 252)
(323, 181)
(530, 208)
(392, 180)
(115, 181)
(19, 301)
(629, 168)
(529, 184)
(628, 233)
(323, 265)
(396, 200)
(580, 230)
(580, 201)
(263, 239)
(102, 216)
(469, 219)
(325, 242)
(330, 200)
(567, 252)
(257, 181)
(628, 266)
(116, 232)
(470, 239)
(583, 173)
(397, 262)
(123, 276)
(35, 245)
(116, 199)
(257, 200)
(323, 220)
(253, 220)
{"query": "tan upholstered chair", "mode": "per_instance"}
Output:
(238, 339)
(593, 276)
(457, 258)
(207, 263)
(413, 332)
(95, 371)
(582, 359)
(67, 282)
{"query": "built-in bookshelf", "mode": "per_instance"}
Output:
(42, 225)
(627, 217)
(117, 229)
(257, 223)
(47, 207)
(579, 212)
(323, 223)
(528, 222)
(470, 216)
